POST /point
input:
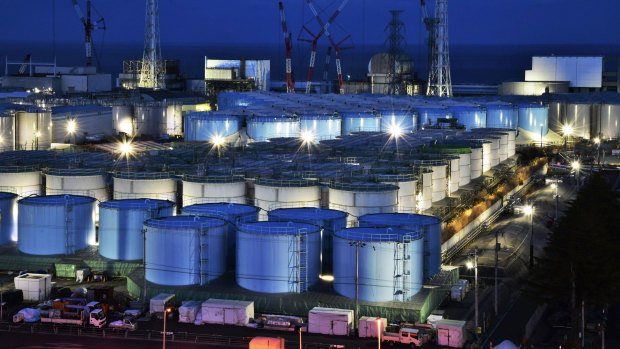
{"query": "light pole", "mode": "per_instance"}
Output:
(597, 141)
(541, 136)
(474, 265)
(567, 130)
(576, 165)
(529, 211)
(497, 248)
(379, 333)
(357, 245)
(166, 311)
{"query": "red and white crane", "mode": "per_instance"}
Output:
(336, 46)
(288, 43)
(89, 26)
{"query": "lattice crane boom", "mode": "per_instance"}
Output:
(290, 85)
(89, 26)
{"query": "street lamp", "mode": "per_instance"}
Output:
(379, 333)
(395, 130)
(529, 211)
(541, 136)
(567, 130)
(576, 165)
(166, 311)
(474, 265)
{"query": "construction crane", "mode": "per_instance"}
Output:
(22, 68)
(439, 78)
(326, 70)
(153, 69)
(335, 45)
(290, 84)
(89, 26)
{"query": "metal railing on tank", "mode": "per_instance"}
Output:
(286, 182)
(366, 186)
(142, 204)
(19, 169)
(170, 196)
(141, 175)
(74, 171)
(214, 178)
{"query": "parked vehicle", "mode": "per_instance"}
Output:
(405, 335)
(96, 318)
(126, 323)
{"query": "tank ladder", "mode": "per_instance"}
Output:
(203, 240)
(298, 262)
(69, 234)
(401, 270)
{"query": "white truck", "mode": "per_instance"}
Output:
(160, 303)
(96, 318)
(127, 323)
(411, 336)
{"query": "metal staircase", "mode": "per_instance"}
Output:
(204, 256)
(298, 262)
(401, 269)
(69, 233)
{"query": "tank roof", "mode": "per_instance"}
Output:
(307, 213)
(278, 228)
(136, 204)
(363, 186)
(382, 234)
(6, 195)
(398, 219)
(56, 200)
(70, 109)
(185, 222)
(219, 208)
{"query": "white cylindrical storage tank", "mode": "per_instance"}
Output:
(261, 128)
(465, 170)
(400, 120)
(320, 127)
(7, 130)
(21, 180)
(455, 174)
(503, 146)
(578, 115)
(476, 161)
(358, 199)
(390, 263)
(360, 122)
(486, 155)
(185, 250)
(77, 181)
(270, 194)
(440, 182)
(512, 135)
(428, 225)
(425, 192)
(278, 257)
(150, 120)
(205, 126)
(57, 224)
(534, 118)
(122, 117)
(8, 223)
(610, 121)
(205, 189)
(121, 224)
(494, 150)
(557, 116)
(407, 186)
(33, 129)
(144, 185)
(174, 119)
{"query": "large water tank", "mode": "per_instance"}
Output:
(425, 196)
(122, 117)
(185, 250)
(144, 185)
(57, 224)
(501, 115)
(428, 225)
(534, 118)
(469, 116)
(261, 128)
(75, 181)
(174, 119)
(204, 126)
(440, 181)
(454, 173)
(390, 263)
(278, 257)
(358, 199)
(610, 121)
(150, 120)
(401, 121)
(8, 223)
(330, 220)
(476, 161)
(33, 130)
(321, 127)
(407, 186)
(204, 189)
(121, 223)
(7, 130)
(578, 115)
(362, 121)
(270, 194)
(21, 180)
(233, 214)
(557, 116)
(465, 170)
(428, 116)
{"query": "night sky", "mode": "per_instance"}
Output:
(214, 22)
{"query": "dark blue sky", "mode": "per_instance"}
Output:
(213, 22)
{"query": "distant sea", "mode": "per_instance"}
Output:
(487, 64)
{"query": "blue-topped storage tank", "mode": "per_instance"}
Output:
(361, 121)
(330, 220)
(469, 116)
(204, 126)
(428, 116)
(403, 120)
(502, 115)
(278, 257)
(534, 117)
(321, 127)
(56, 224)
(8, 223)
(233, 214)
(261, 128)
(121, 223)
(390, 263)
(428, 225)
(185, 250)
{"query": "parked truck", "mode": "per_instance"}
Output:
(127, 323)
(96, 318)
(410, 336)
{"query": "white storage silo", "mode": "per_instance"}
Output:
(150, 119)
(21, 180)
(610, 121)
(358, 199)
(578, 115)
(270, 194)
(77, 181)
(407, 186)
(425, 194)
(440, 182)
(205, 189)
(33, 129)
(476, 161)
(144, 185)
(455, 173)
(123, 119)
(465, 168)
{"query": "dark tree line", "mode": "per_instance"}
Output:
(581, 261)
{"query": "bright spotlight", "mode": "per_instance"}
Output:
(470, 265)
(307, 136)
(126, 148)
(528, 210)
(37, 134)
(326, 277)
(217, 140)
(1, 139)
(567, 130)
(597, 140)
(395, 130)
(71, 126)
(575, 165)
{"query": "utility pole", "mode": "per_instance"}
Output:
(357, 245)
(144, 269)
(497, 248)
(583, 324)
(476, 286)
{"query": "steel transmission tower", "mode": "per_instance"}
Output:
(439, 80)
(152, 71)
(395, 39)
